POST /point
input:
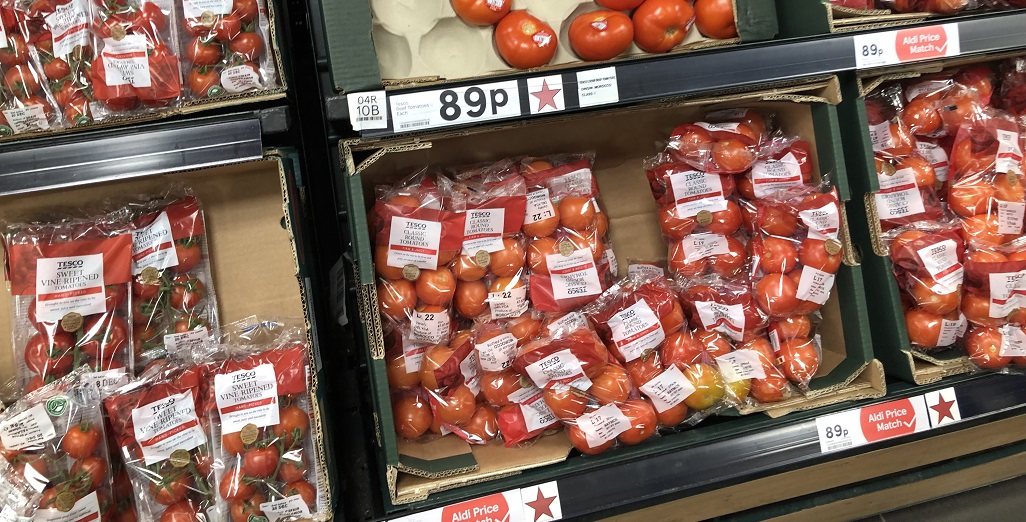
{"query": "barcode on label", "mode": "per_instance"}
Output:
(415, 124)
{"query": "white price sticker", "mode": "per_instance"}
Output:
(1010, 217)
(597, 87)
(951, 330)
(824, 223)
(741, 365)
(668, 389)
(432, 327)
(568, 323)
(815, 285)
(368, 110)
(26, 119)
(508, 303)
(899, 196)
(446, 107)
(497, 353)
(701, 246)
(293, 508)
(1013, 342)
(539, 206)
(27, 428)
(603, 425)
(645, 271)
(906, 45)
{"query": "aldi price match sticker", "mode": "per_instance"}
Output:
(861, 426)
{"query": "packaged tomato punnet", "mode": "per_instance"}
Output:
(173, 302)
(59, 34)
(227, 47)
(54, 438)
(136, 66)
(568, 253)
(256, 397)
(930, 261)
(26, 104)
(20, 498)
(69, 285)
(727, 142)
(163, 440)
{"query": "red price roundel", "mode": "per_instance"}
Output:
(921, 43)
(492, 508)
(888, 420)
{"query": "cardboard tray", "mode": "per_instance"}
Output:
(813, 17)
(401, 42)
(622, 139)
(246, 205)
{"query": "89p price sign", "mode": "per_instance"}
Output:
(454, 106)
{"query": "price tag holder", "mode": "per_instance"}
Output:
(538, 503)
(861, 426)
(368, 110)
(906, 45)
(455, 106)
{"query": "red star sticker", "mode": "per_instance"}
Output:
(541, 505)
(546, 96)
(943, 408)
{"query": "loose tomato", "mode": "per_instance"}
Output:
(249, 509)
(715, 19)
(247, 45)
(984, 348)
(643, 420)
(233, 486)
(302, 488)
(481, 12)
(183, 511)
(172, 488)
(201, 51)
(524, 41)
(458, 408)
(292, 470)
(260, 462)
(187, 293)
(396, 298)
(612, 386)
(661, 25)
(292, 426)
(800, 360)
(601, 35)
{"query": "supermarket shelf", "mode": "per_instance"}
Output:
(687, 464)
(108, 154)
(726, 68)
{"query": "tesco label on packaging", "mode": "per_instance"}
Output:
(247, 397)
(414, 242)
(69, 284)
(167, 425)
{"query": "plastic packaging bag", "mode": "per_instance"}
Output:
(783, 163)
(726, 144)
(70, 298)
(636, 315)
(26, 104)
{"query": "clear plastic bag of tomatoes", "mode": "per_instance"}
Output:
(257, 398)
(993, 292)
(492, 257)
(797, 250)
(59, 34)
(567, 232)
(888, 133)
(26, 104)
(173, 301)
(70, 298)
(19, 497)
(703, 390)
(1000, 349)
(1011, 95)
(227, 45)
(54, 438)
(784, 162)
(908, 191)
(928, 110)
(929, 264)
(727, 143)
(928, 6)
(635, 315)
(136, 67)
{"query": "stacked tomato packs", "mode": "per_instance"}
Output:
(54, 440)
(26, 103)
(754, 244)
(655, 26)
(960, 269)
(930, 6)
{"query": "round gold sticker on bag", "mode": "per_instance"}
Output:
(64, 501)
(149, 275)
(71, 322)
(566, 248)
(249, 434)
(411, 272)
(208, 19)
(179, 458)
(832, 247)
(704, 217)
(483, 258)
(118, 32)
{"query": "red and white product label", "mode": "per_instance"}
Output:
(247, 397)
(125, 61)
(27, 119)
(292, 508)
(86, 509)
(603, 425)
(941, 261)
(196, 8)
(413, 354)
(483, 230)
(824, 223)
(1007, 292)
(433, 327)
(27, 428)
(642, 270)
(952, 330)
(240, 78)
(508, 303)
(558, 370)
(769, 176)
(185, 342)
(695, 191)
(927, 87)
(701, 246)
(414, 242)
(69, 284)
(576, 183)
(937, 157)
(668, 389)
(471, 374)
(1010, 217)
(497, 354)
(880, 136)
(727, 319)
(568, 323)
(539, 206)
(154, 246)
(1013, 342)
(719, 127)
(167, 425)
(537, 414)
(740, 365)
(898, 196)
(69, 24)
(815, 285)
(1009, 153)
(574, 275)
(635, 330)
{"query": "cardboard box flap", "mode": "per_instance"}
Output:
(926, 373)
(941, 356)
(442, 457)
(870, 383)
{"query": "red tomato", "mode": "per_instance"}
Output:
(292, 470)
(800, 360)
(791, 327)
(56, 69)
(232, 443)
(483, 426)
(412, 416)
(613, 385)
(619, 5)
(242, 510)
(81, 440)
(45, 356)
(524, 41)
(172, 488)
(246, 10)
(21, 81)
(777, 294)
(601, 35)
(247, 45)
(924, 328)
(644, 368)
(733, 156)
(436, 287)
(776, 220)
(226, 28)
(775, 255)
(204, 82)
(509, 261)
(984, 347)
(715, 19)
(233, 487)
(774, 388)
(813, 253)
(302, 488)
(202, 51)
(921, 116)
(458, 408)
(928, 296)
(396, 298)
(498, 386)
(103, 335)
(398, 377)
(189, 254)
(187, 293)
(183, 511)
(481, 12)
(681, 349)
(580, 441)
(260, 462)
(16, 52)
(661, 25)
(643, 419)
(292, 426)
(149, 20)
